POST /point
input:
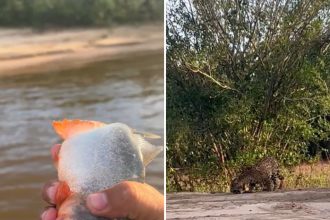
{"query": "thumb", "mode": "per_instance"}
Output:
(128, 199)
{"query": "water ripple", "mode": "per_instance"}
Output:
(128, 91)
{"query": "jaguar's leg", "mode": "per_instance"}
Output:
(269, 184)
(252, 187)
(281, 180)
(275, 180)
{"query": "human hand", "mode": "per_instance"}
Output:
(126, 199)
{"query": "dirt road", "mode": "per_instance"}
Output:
(304, 204)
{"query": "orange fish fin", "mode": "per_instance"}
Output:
(62, 193)
(68, 128)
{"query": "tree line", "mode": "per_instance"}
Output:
(246, 79)
(42, 13)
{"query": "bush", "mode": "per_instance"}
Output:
(244, 80)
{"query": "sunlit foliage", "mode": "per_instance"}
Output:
(245, 79)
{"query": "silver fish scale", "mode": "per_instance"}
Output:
(97, 160)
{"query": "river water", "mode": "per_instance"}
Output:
(128, 90)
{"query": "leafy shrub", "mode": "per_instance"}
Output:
(245, 79)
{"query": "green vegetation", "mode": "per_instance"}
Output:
(311, 175)
(41, 13)
(244, 79)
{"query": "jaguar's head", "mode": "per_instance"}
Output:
(236, 186)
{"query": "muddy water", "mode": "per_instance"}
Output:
(128, 90)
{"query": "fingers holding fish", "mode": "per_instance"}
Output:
(128, 199)
(49, 191)
(68, 208)
(96, 156)
(49, 213)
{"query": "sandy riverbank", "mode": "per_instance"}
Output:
(27, 51)
(305, 204)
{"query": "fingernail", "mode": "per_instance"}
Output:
(97, 201)
(51, 192)
(50, 213)
(43, 215)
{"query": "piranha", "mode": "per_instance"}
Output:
(95, 156)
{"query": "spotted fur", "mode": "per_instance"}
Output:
(265, 174)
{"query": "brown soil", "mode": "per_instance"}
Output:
(304, 204)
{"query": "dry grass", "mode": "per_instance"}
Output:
(315, 175)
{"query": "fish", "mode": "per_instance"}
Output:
(95, 156)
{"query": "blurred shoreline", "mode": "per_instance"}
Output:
(27, 51)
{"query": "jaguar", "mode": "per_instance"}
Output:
(265, 174)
